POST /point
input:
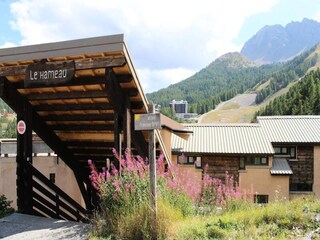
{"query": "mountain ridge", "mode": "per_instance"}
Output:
(277, 43)
(233, 74)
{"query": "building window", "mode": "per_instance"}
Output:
(286, 151)
(300, 187)
(242, 164)
(198, 163)
(253, 161)
(190, 160)
(261, 199)
(52, 177)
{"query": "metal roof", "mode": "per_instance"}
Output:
(224, 139)
(280, 166)
(291, 129)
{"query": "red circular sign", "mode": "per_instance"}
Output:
(21, 127)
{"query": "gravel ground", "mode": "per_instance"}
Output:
(20, 226)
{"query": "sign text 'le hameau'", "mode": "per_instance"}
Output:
(47, 74)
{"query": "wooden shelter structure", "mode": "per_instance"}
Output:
(79, 97)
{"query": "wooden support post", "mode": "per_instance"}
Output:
(127, 125)
(153, 178)
(117, 140)
(24, 157)
(18, 103)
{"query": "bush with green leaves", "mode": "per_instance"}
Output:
(125, 196)
(5, 207)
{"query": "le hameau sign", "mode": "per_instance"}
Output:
(45, 74)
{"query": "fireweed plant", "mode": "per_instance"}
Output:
(127, 190)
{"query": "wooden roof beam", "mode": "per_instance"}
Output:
(78, 117)
(14, 99)
(89, 144)
(76, 81)
(73, 107)
(80, 64)
(82, 127)
(66, 95)
(114, 92)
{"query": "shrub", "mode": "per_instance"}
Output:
(225, 195)
(5, 208)
(124, 197)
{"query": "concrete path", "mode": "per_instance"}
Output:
(20, 226)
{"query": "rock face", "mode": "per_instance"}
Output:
(277, 43)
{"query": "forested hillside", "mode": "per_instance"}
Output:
(7, 123)
(233, 74)
(227, 76)
(294, 69)
(302, 99)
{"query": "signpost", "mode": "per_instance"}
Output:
(46, 74)
(151, 122)
(148, 121)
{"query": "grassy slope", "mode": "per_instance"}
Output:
(228, 112)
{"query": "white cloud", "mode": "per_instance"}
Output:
(161, 35)
(8, 45)
(153, 80)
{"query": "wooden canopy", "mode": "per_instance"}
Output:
(89, 114)
(79, 97)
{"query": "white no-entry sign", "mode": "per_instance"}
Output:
(21, 127)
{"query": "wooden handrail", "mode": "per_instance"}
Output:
(53, 201)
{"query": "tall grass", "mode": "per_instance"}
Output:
(187, 205)
(124, 198)
(297, 219)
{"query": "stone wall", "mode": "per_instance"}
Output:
(302, 176)
(218, 165)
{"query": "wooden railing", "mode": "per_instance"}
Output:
(50, 201)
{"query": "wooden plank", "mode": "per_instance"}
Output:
(78, 117)
(86, 136)
(127, 125)
(82, 127)
(66, 95)
(43, 209)
(60, 213)
(23, 158)
(73, 107)
(89, 144)
(114, 91)
(14, 99)
(13, 70)
(76, 81)
(116, 133)
(130, 92)
(55, 188)
(124, 78)
(1, 87)
(102, 62)
(80, 64)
